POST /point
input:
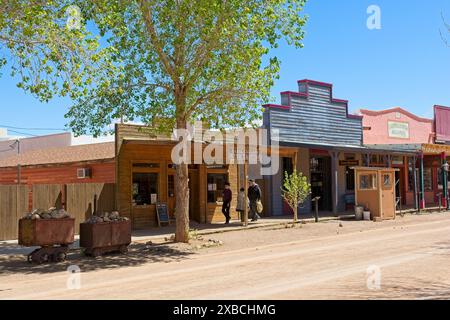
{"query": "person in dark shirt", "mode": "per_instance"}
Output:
(227, 197)
(254, 195)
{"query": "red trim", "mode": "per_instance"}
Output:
(339, 101)
(296, 94)
(441, 107)
(317, 83)
(354, 116)
(397, 109)
(306, 96)
(444, 136)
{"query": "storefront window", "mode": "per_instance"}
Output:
(349, 174)
(397, 160)
(428, 179)
(367, 182)
(387, 181)
(374, 159)
(411, 180)
(287, 167)
(216, 185)
(439, 179)
(171, 186)
(145, 188)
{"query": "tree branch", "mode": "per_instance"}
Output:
(154, 38)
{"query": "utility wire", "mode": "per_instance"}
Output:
(24, 133)
(32, 129)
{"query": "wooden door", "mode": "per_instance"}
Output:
(387, 179)
(171, 197)
(194, 208)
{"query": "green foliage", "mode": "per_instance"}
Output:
(296, 189)
(165, 63)
(48, 58)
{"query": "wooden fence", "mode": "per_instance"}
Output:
(45, 196)
(79, 199)
(13, 203)
(83, 198)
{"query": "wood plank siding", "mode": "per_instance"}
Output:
(313, 116)
(102, 171)
(134, 149)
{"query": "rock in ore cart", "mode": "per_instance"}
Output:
(105, 233)
(52, 230)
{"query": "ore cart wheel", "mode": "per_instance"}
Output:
(43, 258)
(123, 249)
(96, 252)
(60, 256)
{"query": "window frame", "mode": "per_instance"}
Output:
(374, 176)
(218, 192)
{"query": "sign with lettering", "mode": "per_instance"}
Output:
(349, 162)
(162, 213)
(398, 129)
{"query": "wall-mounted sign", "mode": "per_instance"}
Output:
(398, 129)
(349, 162)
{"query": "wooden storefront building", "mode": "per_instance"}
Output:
(328, 142)
(146, 176)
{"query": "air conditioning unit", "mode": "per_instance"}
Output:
(83, 173)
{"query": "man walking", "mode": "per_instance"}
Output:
(227, 197)
(254, 195)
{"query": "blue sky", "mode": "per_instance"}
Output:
(405, 64)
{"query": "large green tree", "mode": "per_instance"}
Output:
(168, 63)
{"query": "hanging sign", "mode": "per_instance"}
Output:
(349, 162)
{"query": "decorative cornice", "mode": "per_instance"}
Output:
(396, 109)
(305, 95)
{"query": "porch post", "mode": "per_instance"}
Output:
(416, 202)
(246, 192)
(422, 183)
(367, 160)
(444, 180)
(334, 180)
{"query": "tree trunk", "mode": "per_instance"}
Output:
(182, 188)
(182, 203)
(295, 214)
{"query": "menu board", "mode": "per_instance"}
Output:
(162, 213)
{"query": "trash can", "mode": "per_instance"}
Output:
(359, 210)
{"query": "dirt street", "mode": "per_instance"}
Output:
(406, 258)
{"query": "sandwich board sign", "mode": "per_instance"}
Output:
(162, 213)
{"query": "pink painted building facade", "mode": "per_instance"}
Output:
(421, 178)
(396, 126)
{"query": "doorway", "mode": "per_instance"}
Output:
(399, 198)
(194, 208)
(388, 195)
(320, 169)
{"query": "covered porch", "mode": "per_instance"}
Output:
(329, 170)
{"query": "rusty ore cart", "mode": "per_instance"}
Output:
(53, 236)
(104, 237)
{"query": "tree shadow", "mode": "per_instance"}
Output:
(138, 254)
